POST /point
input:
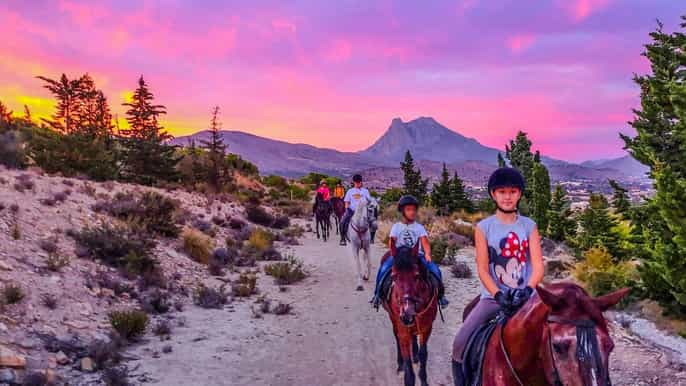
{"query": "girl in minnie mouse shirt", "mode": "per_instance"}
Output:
(508, 257)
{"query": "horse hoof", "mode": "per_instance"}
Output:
(359, 288)
(365, 278)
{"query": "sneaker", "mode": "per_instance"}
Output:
(443, 302)
(343, 243)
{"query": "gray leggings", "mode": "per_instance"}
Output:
(484, 311)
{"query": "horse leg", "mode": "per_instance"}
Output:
(415, 349)
(317, 226)
(406, 352)
(423, 357)
(397, 345)
(356, 256)
(368, 263)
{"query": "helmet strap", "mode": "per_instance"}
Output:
(507, 211)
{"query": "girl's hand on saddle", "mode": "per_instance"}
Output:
(521, 295)
(503, 300)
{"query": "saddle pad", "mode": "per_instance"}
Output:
(475, 351)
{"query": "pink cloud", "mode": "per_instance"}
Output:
(579, 10)
(519, 43)
(340, 51)
(285, 25)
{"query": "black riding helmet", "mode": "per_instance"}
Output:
(506, 177)
(407, 200)
(357, 178)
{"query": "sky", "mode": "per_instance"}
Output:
(335, 73)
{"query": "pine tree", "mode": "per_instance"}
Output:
(598, 227)
(27, 114)
(441, 198)
(459, 199)
(5, 114)
(620, 199)
(217, 174)
(501, 160)
(561, 223)
(540, 194)
(412, 179)
(68, 93)
(660, 143)
(147, 158)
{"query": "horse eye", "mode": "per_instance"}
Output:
(561, 347)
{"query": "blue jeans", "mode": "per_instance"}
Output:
(385, 269)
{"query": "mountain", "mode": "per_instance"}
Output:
(626, 165)
(284, 158)
(427, 140)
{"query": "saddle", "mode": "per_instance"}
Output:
(475, 351)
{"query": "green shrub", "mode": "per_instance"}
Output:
(286, 272)
(118, 247)
(152, 212)
(12, 293)
(130, 324)
(258, 215)
(441, 252)
(197, 245)
(600, 274)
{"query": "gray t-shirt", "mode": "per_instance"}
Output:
(408, 234)
(509, 260)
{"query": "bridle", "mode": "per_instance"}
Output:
(586, 348)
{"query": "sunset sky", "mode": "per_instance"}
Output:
(334, 73)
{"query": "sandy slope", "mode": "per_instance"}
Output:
(334, 337)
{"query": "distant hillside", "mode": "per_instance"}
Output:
(428, 141)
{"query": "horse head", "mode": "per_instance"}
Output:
(361, 215)
(407, 276)
(577, 343)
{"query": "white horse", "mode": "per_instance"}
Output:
(360, 238)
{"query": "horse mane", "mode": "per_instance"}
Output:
(404, 259)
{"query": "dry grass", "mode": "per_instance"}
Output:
(261, 239)
(197, 245)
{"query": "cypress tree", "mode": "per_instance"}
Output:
(561, 223)
(620, 199)
(459, 199)
(441, 198)
(660, 144)
(518, 152)
(540, 194)
(412, 179)
(598, 227)
(147, 158)
(501, 160)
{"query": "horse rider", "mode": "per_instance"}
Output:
(323, 189)
(407, 233)
(339, 190)
(352, 198)
(508, 259)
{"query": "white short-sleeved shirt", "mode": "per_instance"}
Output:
(354, 195)
(407, 235)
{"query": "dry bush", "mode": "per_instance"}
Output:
(49, 300)
(162, 328)
(116, 376)
(461, 270)
(245, 285)
(261, 239)
(129, 324)
(156, 302)
(470, 217)
(197, 245)
(15, 231)
(600, 274)
(12, 293)
(207, 297)
(55, 262)
(258, 215)
(23, 183)
(48, 245)
(294, 231)
(287, 272)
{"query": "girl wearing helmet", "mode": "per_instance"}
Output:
(408, 233)
(508, 258)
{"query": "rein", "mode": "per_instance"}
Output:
(586, 348)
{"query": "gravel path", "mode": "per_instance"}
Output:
(334, 337)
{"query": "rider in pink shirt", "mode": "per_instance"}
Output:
(324, 190)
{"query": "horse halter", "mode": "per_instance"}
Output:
(587, 350)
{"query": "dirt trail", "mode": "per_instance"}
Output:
(334, 336)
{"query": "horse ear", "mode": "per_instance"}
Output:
(608, 301)
(549, 299)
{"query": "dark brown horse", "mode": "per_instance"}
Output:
(338, 206)
(322, 215)
(557, 338)
(412, 309)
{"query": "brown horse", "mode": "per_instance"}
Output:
(338, 211)
(557, 338)
(412, 308)
(322, 215)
